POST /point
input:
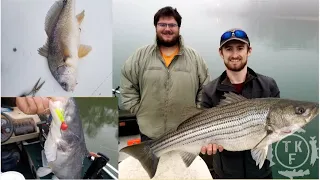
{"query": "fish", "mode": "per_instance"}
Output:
(62, 48)
(65, 146)
(236, 123)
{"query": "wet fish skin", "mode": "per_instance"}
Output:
(65, 150)
(63, 49)
(237, 124)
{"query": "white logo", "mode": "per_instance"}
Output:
(293, 154)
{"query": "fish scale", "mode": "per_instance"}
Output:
(227, 126)
(236, 124)
(226, 117)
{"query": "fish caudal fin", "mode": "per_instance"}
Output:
(53, 16)
(259, 155)
(84, 50)
(146, 157)
(43, 171)
(80, 17)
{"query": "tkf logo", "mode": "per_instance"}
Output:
(293, 153)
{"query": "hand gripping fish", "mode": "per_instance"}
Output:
(63, 49)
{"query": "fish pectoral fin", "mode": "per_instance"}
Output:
(259, 155)
(80, 17)
(187, 157)
(146, 157)
(43, 171)
(53, 16)
(84, 50)
(43, 51)
(231, 98)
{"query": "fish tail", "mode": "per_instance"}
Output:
(145, 155)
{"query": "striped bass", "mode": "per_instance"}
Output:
(237, 124)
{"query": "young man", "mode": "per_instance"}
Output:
(159, 80)
(239, 78)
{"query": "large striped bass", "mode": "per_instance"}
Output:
(237, 124)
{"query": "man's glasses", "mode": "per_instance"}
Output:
(164, 25)
(237, 33)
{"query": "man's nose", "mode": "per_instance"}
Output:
(167, 28)
(235, 54)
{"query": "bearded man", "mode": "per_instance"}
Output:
(234, 50)
(160, 80)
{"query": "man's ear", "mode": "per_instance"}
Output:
(220, 52)
(249, 50)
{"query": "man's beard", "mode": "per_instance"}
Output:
(171, 43)
(238, 68)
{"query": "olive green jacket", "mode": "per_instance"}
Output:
(157, 94)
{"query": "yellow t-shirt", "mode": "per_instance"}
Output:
(168, 59)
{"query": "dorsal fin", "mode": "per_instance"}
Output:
(53, 16)
(231, 98)
(188, 113)
(80, 17)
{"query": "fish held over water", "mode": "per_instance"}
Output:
(237, 124)
(65, 147)
(63, 49)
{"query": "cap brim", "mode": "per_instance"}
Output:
(232, 39)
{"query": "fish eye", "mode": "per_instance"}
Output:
(300, 110)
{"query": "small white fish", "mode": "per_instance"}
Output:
(63, 49)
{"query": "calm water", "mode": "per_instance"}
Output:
(284, 36)
(100, 121)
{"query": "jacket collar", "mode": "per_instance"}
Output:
(224, 83)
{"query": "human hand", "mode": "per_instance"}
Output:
(35, 105)
(211, 149)
(94, 154)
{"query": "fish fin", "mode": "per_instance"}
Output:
(231, 98)
(187, 157)
(269, 132)
(259, 155)
(53, 16)
(66, 52)
(43, 51)
(144, 154)
(84, 50)
(80, 17)
(43, 171)
(189, 112)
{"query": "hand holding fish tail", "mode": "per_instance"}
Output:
(211, 149)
